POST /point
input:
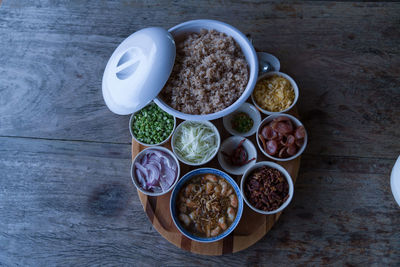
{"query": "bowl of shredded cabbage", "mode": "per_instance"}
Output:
(195, 142)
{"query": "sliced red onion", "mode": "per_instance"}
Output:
(164, 185)
(164, 165)
(140, 178)
(152, 156)
(156, 163)
(169, 176)
(144, 160)
(141, 168)
(156, 171)
(157, 153)
(163, 155)
(154, 174)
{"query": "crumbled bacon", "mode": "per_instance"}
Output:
(266, 188)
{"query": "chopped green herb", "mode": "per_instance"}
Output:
(152, 125)
(241, 122)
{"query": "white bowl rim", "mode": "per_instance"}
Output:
(150, 145)
(252, 64)
(238, 214)
(254, 114)
(279, 168)
(188, 162)
(222, 159)
(292, 82)
(139, 155)
(297, 123)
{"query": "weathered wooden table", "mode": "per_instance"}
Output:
(66, 197)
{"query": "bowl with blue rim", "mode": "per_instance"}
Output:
(189, 230)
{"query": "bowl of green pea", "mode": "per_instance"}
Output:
(151, 126)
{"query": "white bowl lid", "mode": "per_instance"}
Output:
(138, 70)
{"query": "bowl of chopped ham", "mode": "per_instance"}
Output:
(155, 171)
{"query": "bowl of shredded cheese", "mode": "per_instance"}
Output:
(275, 92)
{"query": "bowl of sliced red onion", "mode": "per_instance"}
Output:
(155, 171)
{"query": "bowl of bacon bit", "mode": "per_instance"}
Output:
(237, 154)
(155, 171)
(267, 187)
(281, 137)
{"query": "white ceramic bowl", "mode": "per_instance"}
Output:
(250, 110)
(142, 143)
(174, 212)
(206, 160)
(271, 165)
(292, 82)
(228, 146)
(139, 156)
(296, 122)
(249, 52)
(395, 181)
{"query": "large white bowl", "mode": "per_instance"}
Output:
(249, 52)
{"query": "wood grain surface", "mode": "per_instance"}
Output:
(66, 197)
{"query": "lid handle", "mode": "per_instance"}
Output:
(128, 64)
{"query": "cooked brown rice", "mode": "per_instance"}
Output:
(210, 74)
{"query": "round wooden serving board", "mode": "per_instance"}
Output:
(251, 228)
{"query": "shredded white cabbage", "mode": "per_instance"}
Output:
(195, 142)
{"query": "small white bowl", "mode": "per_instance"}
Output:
(139, 156)
(292, 82)
(228, 146)
(142, 143)
(177, 130)
(296, 122)
(250, 110)
(271, 165)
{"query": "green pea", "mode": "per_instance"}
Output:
(152, 125)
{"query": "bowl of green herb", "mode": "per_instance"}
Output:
(243, 121)
(151, 126)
